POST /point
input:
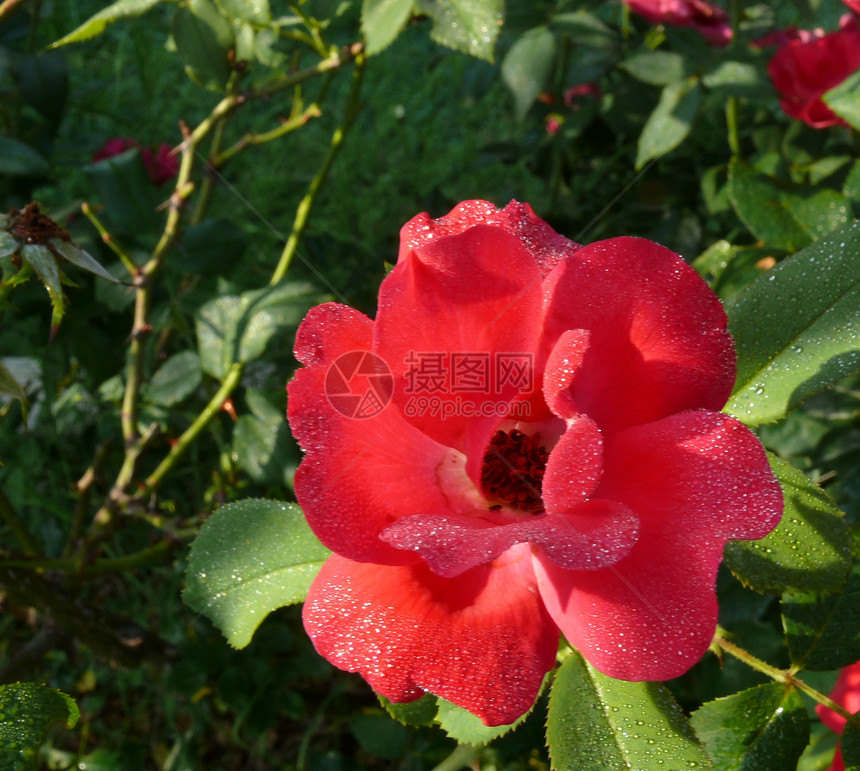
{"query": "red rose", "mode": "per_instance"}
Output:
(160, 167)
(709, 19)
(854, 5)
(804, 70)
(846, 693)
(552, 459)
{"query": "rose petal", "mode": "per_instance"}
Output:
(483, 642)
(592, 535)
(695, 480)
(561, 366)
(379, 469)
(643, 362)
(846, 693)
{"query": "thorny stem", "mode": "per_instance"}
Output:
(783, 676)
(304, 208)
(191, 433)
(108, 239)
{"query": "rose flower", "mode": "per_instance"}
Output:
(552, 460)
(846, 693)
(708, 19)
(803, 70)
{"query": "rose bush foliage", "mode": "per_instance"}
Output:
(593, 498)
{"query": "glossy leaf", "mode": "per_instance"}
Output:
(421, 712)
(823, 629)
(174, 380)
(797, 329)
(250, 558)
(234, 329)
(469, 26)
(808, 551)
(261, 444)
(596, 723)
(95, 25)
(27, 713)
(466, 728)
(43, 262)
(765, 728)
(527, 67)
(670, 122)
(382, 21)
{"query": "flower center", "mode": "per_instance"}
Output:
(513, 471)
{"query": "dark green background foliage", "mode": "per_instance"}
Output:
(144, 391)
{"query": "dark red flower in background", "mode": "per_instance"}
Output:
(160, 165)
(803, 70)
(708, 19)
(846, 693)
(553, 459)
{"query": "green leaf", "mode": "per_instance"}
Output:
(9, 386)
(466, 728)
(382, 21)
(659, 68)
(742, 79)
(596, 723)
(823, 629)
(27, 713)
(261, 442)
(77, 256)
(809, 550)
(670, 122)
(797, 329)
(95, 25)
(174, 380)
(421, 712)
(850, 745)
(214, 246)
(844, 100)
(249, 11)
(44, 263)
(765, 728)
(250, 558)
(585, 29)
(469, 26)
(8, 243)
(203, 40)
(527, 67)
(20, 160)
(236, 329)
(379, 735)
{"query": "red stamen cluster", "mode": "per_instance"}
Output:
(513, 471)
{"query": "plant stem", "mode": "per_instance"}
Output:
(304, 208)
(200, 422)
(783, 676)
(10, 518)
(107, 238)
(463, 755)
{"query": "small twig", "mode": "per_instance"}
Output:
(108, 239)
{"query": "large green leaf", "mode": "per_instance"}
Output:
(95, 25)
(527, 67)
(44, 263)
(382, 21)
(27, 713)
(765, 728)
(797, 328)
(659, 68)
(823, 629)
(174, 380)
(81, 258)
(808, 551)
(670, 122)
(261, 442)
(596, 723)
(249, 11)
(470, 26)
(250, 558)
(236, 329)
(9, 386)
(734, 78)
(421, 712)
